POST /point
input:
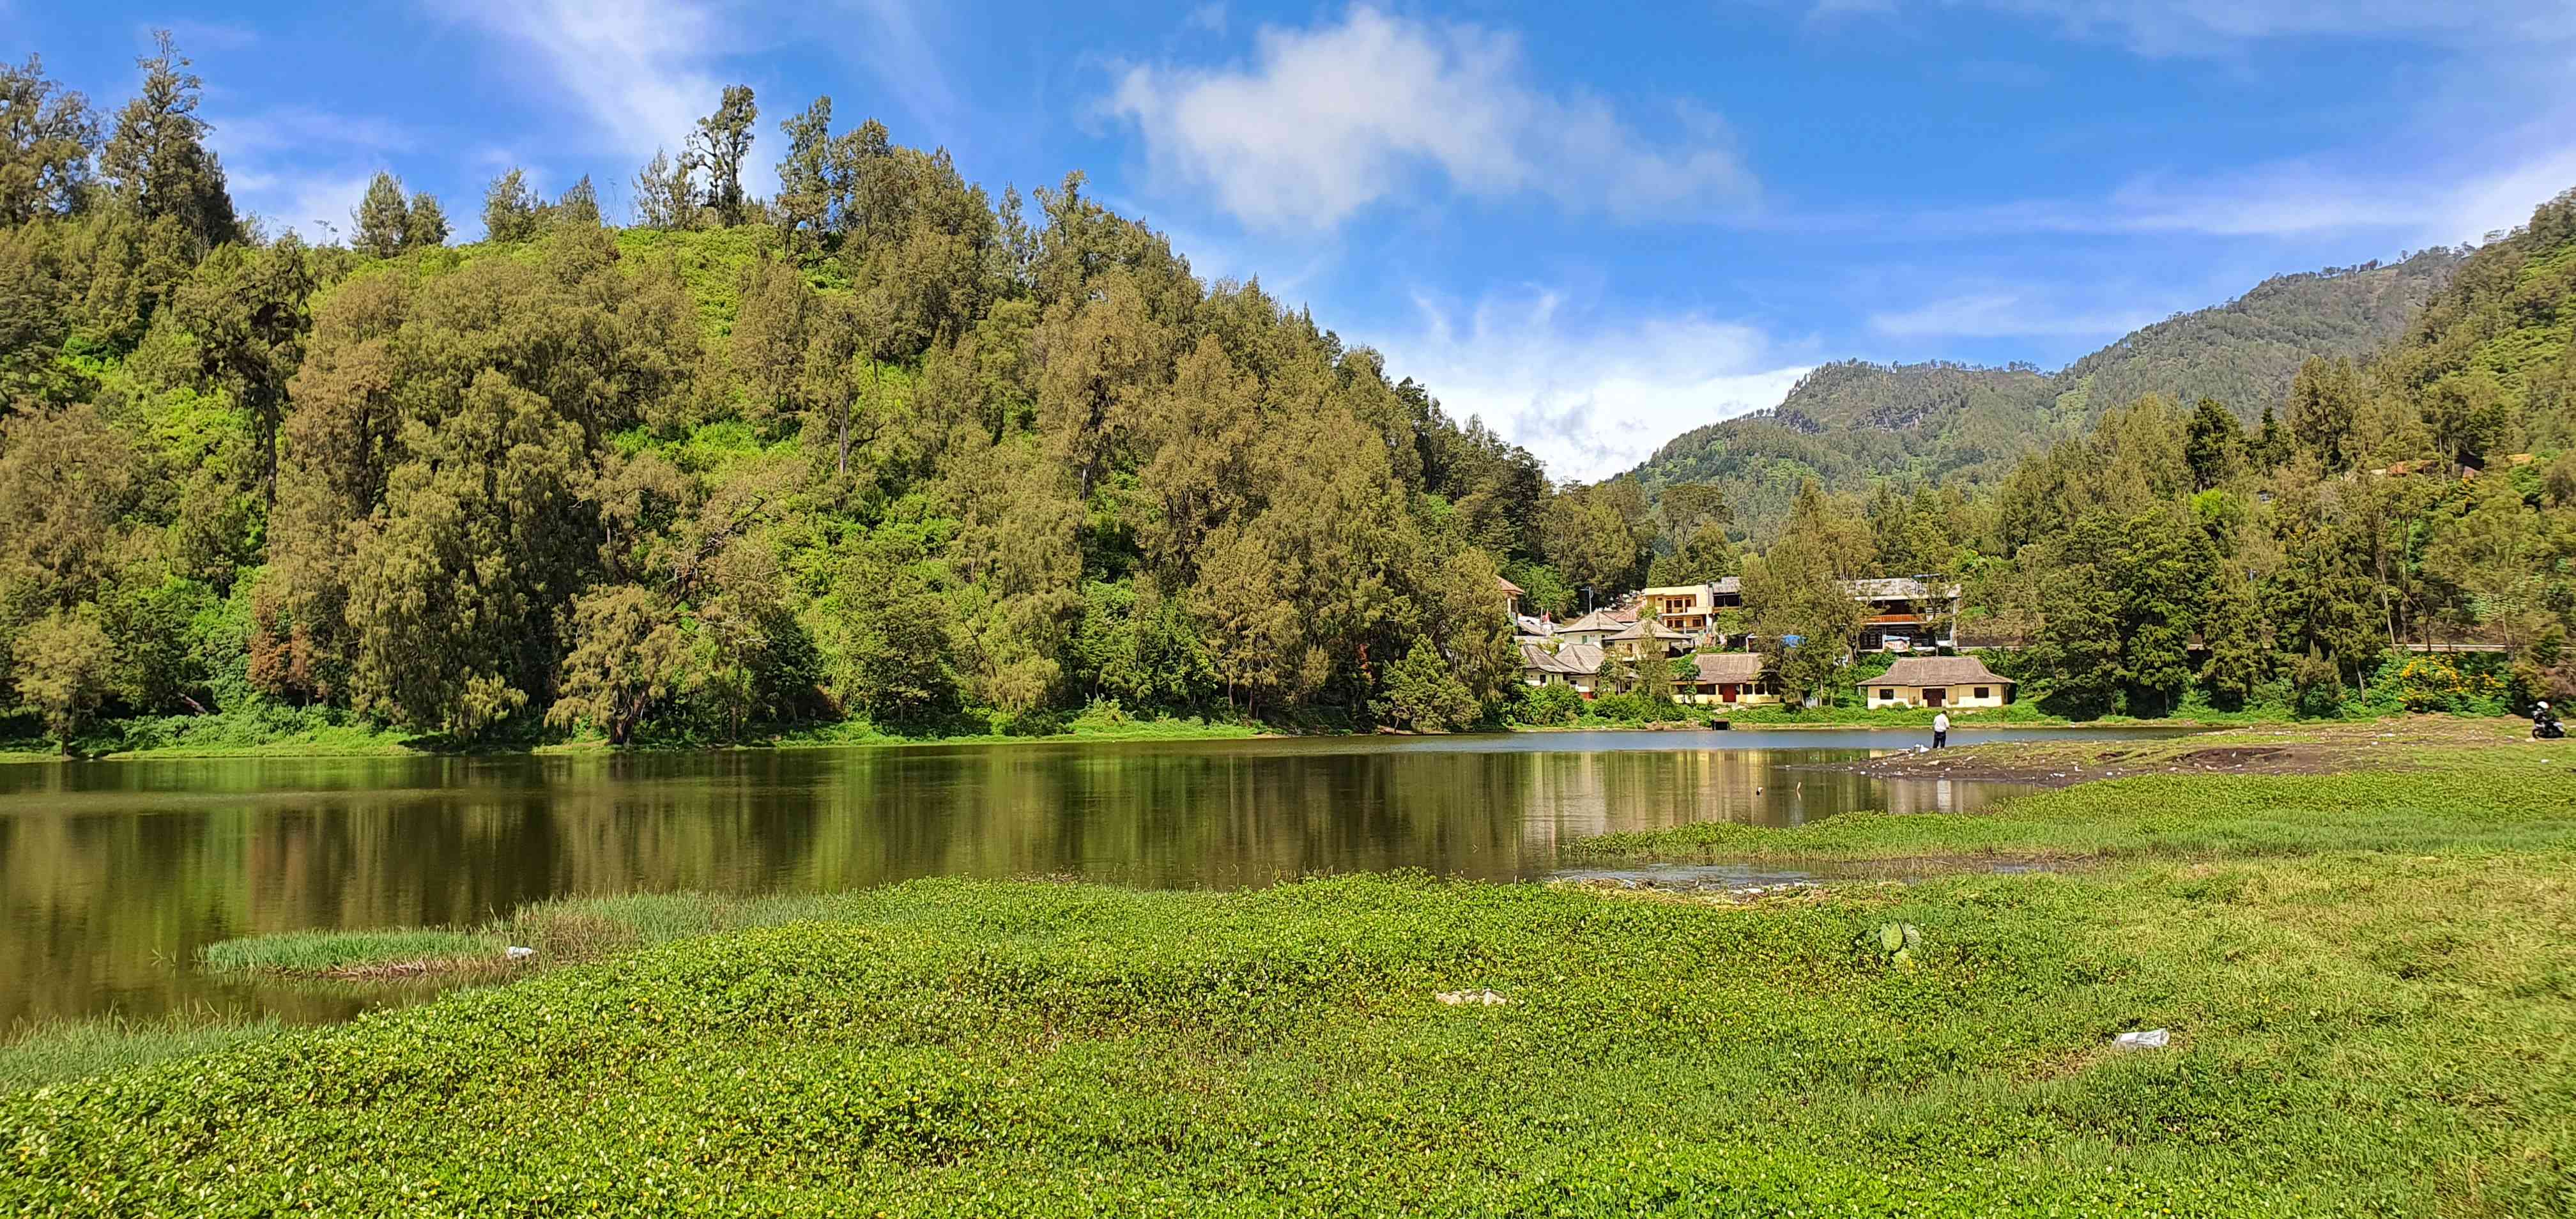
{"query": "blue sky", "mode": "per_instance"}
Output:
(1596, 226)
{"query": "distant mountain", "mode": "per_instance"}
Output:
(1850, 422)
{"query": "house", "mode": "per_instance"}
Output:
(1906, 613)
(1728, 679)
(1938, 681)
(1577, 665)
(1539, 629)
(1647, 639)
(1691, 609)
(1595, 627)
(1512, 595)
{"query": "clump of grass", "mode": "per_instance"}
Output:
(57, 1051)
(354, 954)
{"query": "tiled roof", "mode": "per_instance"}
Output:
(1644, 628)
(1937, 671)
(1737, 668)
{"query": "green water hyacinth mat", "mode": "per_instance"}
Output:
(2362, 1034)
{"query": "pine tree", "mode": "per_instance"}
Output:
(158, 161)
(2212, 444)
(426, 225)
(2231, 624)
(47, 134)
(380, 223)
(509, 209)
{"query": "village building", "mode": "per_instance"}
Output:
(1691, 610)
(1594, 628)
(1728, 679)
(1938, 681)
(1906, 613)
(1574, 665)
(1648, 640)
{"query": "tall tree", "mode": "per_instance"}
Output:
(381, 223)
(664, 196)
(2325, 401)
(47, 135)
(720, 145)
(157, 159)
(510, 208)
(2213, 443)
(425, 225)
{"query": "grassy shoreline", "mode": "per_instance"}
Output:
(2362, 972)
(385, 742)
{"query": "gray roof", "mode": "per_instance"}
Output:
(1738, 668)
(1899, 588)
(1598, 620)
(1937, 671)
(1644, 627)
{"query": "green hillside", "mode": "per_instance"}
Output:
(1851, 422)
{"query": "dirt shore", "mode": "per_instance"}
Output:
(2293, 749)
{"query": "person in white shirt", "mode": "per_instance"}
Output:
(1940, 729)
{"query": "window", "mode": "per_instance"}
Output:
(1887, 694)
(1981, 691)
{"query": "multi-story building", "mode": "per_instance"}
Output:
(1906, 613)
(1691, 610)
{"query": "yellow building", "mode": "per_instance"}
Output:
(1938, 681)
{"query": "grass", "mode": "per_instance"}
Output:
(2355, 1033)
(354, 954)
(59, 1051)
(2365, 976)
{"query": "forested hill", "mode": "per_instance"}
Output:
(1850, 422)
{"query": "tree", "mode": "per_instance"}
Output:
(157, 159)
(2212, 444)
(1421, 694)
(63, 667)
(2269, 447)
(2325, 400)
(381, 223)
(719, 145)
(47, 134)
(510, 208)
(426, 225)
(664, 196)
(1708, 556)
(2470, 416)
(806, 176)
(2231, 624)
(628, 660)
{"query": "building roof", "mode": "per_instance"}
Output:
(1899, 588)
(1937, 671)
(1644, 628)
(1737, 668)
(1597, 620)
(1508, 586)
(1536, 626)
(1578, 659)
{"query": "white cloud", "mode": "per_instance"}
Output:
(301, 129)
(1590, 398)
(1329, 120)
(2005, 313)
(639, 70)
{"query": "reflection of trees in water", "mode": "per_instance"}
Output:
(108, 873)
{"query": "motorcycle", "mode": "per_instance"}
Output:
(2547, 730)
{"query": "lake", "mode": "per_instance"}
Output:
(113, 874)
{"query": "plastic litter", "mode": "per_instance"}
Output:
(2148, 1039)
(1476, 998)
(517, 953)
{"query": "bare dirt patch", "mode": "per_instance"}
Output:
(2293, 749)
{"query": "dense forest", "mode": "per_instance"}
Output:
(1850, 423)
(888, 450)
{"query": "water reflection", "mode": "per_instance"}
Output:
(112, 874)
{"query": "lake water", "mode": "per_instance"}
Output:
(112, 874)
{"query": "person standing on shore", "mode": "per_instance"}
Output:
(1940, 730)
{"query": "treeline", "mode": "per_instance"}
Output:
(881, 447)
(2425, 497)
(888, 448)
